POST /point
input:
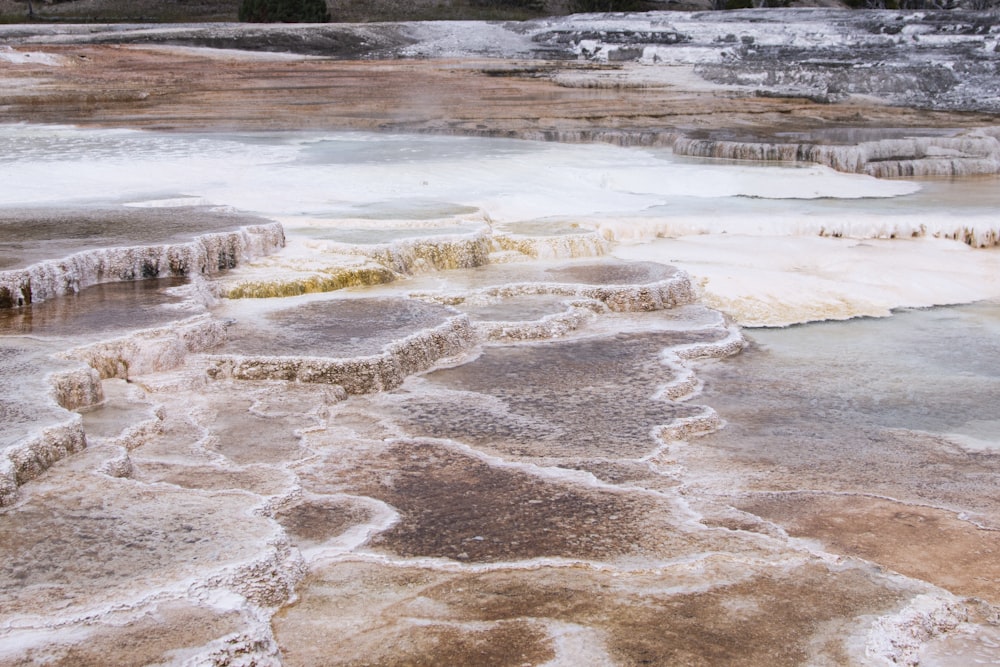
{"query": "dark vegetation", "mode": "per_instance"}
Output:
(361, 11)
(977, 5)
(612, 6)
(117, 11)
(284, 11)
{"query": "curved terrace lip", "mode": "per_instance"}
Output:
(680, 394)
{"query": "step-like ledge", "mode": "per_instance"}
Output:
(206, 254)
(358, 375)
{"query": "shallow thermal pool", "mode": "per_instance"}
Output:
(489, 402)
(350, 174)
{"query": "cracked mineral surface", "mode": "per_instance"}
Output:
(605, 340)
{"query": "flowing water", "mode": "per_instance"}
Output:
(487, 402)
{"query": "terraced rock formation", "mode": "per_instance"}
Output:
(454, 411)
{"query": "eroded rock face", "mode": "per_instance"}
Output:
(887, 158)
(812, 53)
(52, 252)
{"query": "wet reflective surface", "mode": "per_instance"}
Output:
(515, 308)
(332, 328)
(30, 235)
(552, 400)
(903, 404)
(108, 308)
(502, 450)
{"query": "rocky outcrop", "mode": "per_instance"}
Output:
(38, 425)
(152, 350)
(937, 60)
(207, 254)
(968, 155)
(419, 255)
(358, 375)
(933, 59)
(30, 457)
(659, 295)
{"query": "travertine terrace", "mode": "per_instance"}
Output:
(310, 358)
